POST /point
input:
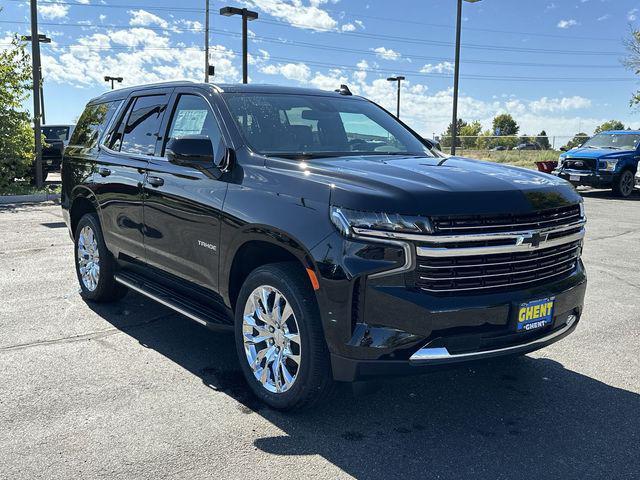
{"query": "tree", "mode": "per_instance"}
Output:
(445, 138)
(543, 140)
(469, 134)
(610, 125)
(16, 133)
(504, 124)
(632, 62)
(576, 141)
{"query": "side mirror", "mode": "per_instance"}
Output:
(563, 149)
(194, 151)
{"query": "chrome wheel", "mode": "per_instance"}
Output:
(88, 258)
(271, 339)
(626, 184)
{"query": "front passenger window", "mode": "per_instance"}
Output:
(193, 116)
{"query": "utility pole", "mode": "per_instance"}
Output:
(38, 103)
(456, 78)
(206, 42)
(398, 79)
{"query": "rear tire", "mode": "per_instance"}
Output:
(279, 338)
(95, 266)
(623, 186)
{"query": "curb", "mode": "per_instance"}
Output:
(36, 198)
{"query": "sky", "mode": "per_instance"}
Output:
(553, 65)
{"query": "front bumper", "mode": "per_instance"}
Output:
(440, 332)
(593, 179)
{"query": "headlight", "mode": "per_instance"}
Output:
(608, 165)
(353, 221)
(582, 214)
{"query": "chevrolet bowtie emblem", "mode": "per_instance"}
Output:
(533, 239)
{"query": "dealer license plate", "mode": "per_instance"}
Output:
(574, 178)
(535, 314)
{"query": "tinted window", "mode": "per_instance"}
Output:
(294, 124)
(92, 123)
(142, 124)
(193, 116)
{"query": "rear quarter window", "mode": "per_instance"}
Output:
(91, 125)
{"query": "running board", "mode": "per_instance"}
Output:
(192, 309)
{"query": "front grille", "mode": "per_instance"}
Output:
(461, 225)
(497, 272)
(481, 254)
(588, 164)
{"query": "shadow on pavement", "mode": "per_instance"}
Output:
(518, 418)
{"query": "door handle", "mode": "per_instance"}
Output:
(155, 181)
(103, 171)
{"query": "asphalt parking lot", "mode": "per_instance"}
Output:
(133, 390)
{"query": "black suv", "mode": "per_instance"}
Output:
(334, 240)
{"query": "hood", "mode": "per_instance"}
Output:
(597, 153)
(437, 186)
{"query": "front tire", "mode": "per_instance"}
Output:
(623, 186)
(279, 338)
(95, 266)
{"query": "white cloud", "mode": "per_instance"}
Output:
(359, 23)
(348, 27)
(567, 23)
(142, 18)
(386, 53)
(296, 13)
(545, 104)
(83, 2)
(102, 17)
(54, 10)
(606, 16)
(292, 71)
(86, 62)
(443, 67)
(632, 15)
(190, 24)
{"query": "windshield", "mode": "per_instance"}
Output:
(299, 125)
(56, 133)
(617, 141)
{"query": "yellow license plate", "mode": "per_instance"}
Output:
(535, 314)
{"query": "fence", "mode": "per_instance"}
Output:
(511, 142)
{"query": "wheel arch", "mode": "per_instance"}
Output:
(84, 201)
(261, 245)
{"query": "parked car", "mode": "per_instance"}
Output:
(499, 148)
(335, 242)
(56, 138)
(607, 160)
(528, 146)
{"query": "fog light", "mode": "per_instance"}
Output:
(571, 319)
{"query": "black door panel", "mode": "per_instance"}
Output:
(182, 205)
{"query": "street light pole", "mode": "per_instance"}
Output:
(247, 16)
(206, 42)
(456, 78)
(398, 79)
(107, 78)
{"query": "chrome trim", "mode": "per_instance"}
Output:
(518, 247)
(450, 267)
(426, 354)
(166, 303)
(502, 285)
(478, 237)
(409, 257)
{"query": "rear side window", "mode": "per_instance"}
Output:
(138, 132)
(91, 124)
